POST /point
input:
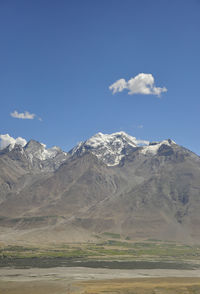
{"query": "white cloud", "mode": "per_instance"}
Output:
(141, 142)
(118, 86)
(23, 115)
(6, 140)
(140, 84)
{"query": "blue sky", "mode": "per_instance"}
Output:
(58, 59)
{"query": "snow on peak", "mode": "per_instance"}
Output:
(153, 147)
(110, 148)
(39, 150)
(53, 152)
(116, 139)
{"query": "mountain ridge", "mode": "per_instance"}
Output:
(113, 146)
(109, 183)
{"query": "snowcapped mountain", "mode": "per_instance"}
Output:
(112, 148)
(36, 155)
(143, 190)
(38, 150)
(47, 159)
(108, 148)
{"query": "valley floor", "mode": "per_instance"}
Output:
(76, 280)
(113, 266)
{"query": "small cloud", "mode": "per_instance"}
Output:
(23, 115)
(6, 140)
(118, 86)
(140, 126)
(140, 84)
(142, 142)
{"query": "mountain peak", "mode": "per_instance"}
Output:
(39, 150)
(153, 147)
(33, 145)
(100, 139)
(109, 148)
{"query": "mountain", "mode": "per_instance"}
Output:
(109, 183)
(42, 158)
(108, 148)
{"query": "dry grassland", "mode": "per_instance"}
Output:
(36, 287)
(115, 286)
(141, 286)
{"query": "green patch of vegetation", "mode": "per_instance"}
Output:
(106, 250)
(32, 218)
(112, 235)
(97, 236)
(128, 238)
(154, 240)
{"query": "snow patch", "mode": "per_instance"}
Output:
(153, 147)
(44, 154)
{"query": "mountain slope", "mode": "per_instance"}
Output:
(161, 197)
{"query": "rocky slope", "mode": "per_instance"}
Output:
(109, 183)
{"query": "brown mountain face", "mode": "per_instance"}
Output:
(143, 192)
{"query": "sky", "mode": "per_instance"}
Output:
(72, 68)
